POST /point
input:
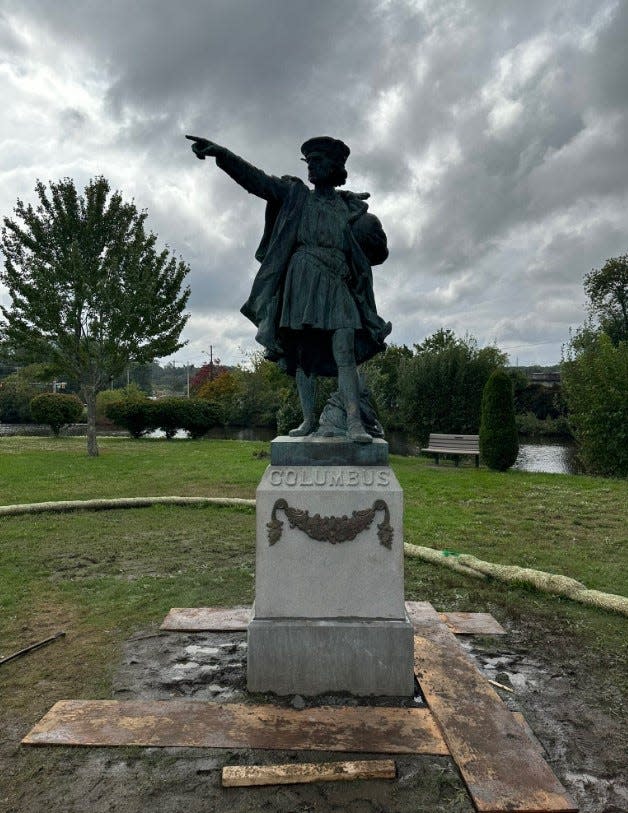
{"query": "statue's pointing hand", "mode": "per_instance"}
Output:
(202, 147)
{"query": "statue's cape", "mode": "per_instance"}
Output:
(263, 307)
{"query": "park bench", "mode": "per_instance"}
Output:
(454, 445)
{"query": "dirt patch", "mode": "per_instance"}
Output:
(579, 725)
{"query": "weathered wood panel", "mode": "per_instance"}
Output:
(499, 764)
(165, 723)
(238, 776)
(472, 623)
(236, 619)
(207, 619)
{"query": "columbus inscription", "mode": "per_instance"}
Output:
(313, 476)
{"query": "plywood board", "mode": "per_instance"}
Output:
(472, 623)
(207, 619)
(165, 723)
(526, 727)
(236, 619)
(499, 764)
(238, 776)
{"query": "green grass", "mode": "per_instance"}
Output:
(102, 575)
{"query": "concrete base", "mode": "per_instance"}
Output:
(299, 656)
(317, 451)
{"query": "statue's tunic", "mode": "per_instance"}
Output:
(315, 271)
(316, 293)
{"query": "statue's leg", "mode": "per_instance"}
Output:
(306, 387)
(348, 383)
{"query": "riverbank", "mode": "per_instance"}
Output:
(108, 579)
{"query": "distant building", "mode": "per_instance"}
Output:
(548, 378)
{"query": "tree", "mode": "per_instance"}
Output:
(595, 381)
(382, 376)
(90, 292)
(208, 372)
(607, 289)
(441, 385)
(499, 442)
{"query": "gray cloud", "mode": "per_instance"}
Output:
(492, 136)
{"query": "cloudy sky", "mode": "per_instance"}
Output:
(491, 134)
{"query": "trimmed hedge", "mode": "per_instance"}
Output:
(133, 414)
(139, 416)
(499, 442)
(56, 410)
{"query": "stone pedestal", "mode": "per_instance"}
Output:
(329, 611)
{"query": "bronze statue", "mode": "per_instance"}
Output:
(312, 299)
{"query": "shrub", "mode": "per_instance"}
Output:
(106, 397)
(136, 415)
(15, 400)
(56, 410)
(499, 444)
(168, 413)
(595, 380)
(197, 416)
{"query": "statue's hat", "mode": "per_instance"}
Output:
(332, 146)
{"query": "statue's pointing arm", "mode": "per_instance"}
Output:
(246, 175)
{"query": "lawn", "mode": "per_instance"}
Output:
(103, 575)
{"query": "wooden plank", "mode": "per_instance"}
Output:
(236, 619)
(239, 776)
(420, 612)
(207, 619)
(521, 720)
(472, 623)
(200, 724)
(499, 764)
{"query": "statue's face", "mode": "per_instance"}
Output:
(320, 167)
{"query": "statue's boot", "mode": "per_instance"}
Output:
(349, 387)
(306, 388)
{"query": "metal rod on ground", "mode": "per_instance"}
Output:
(31, 648)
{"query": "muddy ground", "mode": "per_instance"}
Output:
(582, 729)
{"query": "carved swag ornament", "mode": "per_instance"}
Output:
(331, 529)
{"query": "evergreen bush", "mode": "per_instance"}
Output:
(136, 415)
(56, 410)
(168, 414)
(197, 416)
(499, 442)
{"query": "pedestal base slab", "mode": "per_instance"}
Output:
(310, 657)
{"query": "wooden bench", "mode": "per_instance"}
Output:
(454, 445)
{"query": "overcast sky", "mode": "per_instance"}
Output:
(492, 136)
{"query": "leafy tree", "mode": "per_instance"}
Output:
(595, 380)
(56, 410)
(89, 290)
(382, 375)
(16, 394)
(224, 391)
(607, 289)
(499, 442)
(207, 374)
(441, 385)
